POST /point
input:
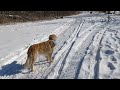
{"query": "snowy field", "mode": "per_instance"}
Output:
(88, 47)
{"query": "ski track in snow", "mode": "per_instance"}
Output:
(84, 51)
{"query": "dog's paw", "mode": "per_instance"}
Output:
(25, 71)
(49, 64)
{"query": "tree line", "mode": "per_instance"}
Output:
(39, 13)
(18, 16)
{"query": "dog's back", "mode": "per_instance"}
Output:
(41, 48)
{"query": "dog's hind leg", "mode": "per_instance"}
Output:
(33, 58)
(32, 65)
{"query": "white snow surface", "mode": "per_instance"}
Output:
(88, 47)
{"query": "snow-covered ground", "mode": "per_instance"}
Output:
(88, 47)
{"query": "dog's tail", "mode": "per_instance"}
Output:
(27, 63)
(29, 60)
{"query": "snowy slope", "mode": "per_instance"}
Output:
(88, 47)
(14, 38)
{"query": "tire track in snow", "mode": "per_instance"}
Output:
(60, 67)
(57, 70)
(77, 75)
(87, 68)
(90, 67)
(76, 61)
(98, 56)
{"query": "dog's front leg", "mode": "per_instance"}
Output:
(49, 57)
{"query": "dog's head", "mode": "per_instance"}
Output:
(53, 37)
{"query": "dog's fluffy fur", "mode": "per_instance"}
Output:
(44, 48)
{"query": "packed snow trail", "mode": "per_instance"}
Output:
(88, 47)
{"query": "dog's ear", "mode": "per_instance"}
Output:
(50, 37)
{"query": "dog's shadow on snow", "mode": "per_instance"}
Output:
(15, 68)
(11, 69)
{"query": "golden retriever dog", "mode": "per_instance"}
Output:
(44, 48)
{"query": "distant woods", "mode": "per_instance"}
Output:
(23, 16)
(108, 12)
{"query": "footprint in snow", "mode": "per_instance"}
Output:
(111, 66)
(109, 52)
(114, 59)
